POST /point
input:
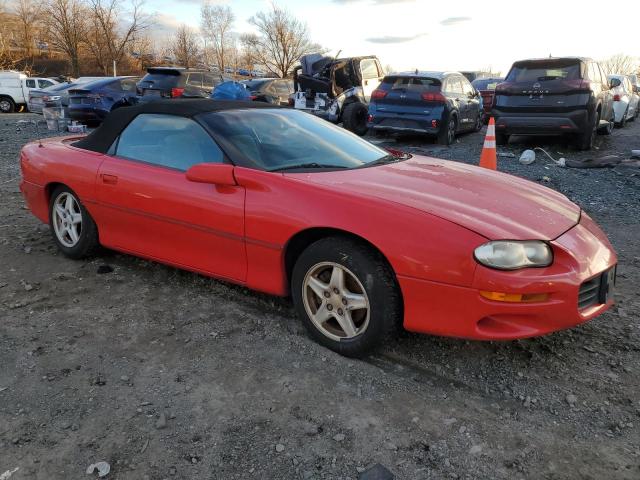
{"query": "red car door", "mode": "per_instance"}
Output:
(147, 206)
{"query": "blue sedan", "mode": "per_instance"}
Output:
(441, 104)
(91, 102)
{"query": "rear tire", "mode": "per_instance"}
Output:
(502, 138)
(354, 118)
(340, 281)
(7, 105)
(447, 132)
(586, 139)
(73, 230)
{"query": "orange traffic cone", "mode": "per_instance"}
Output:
(488, 158)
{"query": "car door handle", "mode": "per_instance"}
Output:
(109, 179)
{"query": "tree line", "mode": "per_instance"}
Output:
(93, 34)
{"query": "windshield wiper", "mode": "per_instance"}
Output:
(306, 165)
(386, 159)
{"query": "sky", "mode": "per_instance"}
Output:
(440, 35)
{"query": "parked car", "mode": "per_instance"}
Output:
(554, 96)
(15, 88)
(441, 104)
(174, 82)
(337, 90)
(91, 102)
(635, 83)
(362, 240)
(55, 95)
(487, 88)
(270, 90)
(625, 100)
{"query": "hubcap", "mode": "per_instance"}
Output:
(335, 301)
(67, 219)
(4, 105)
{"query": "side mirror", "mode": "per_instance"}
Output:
(213, 173)
(635, 89)
(615, 82)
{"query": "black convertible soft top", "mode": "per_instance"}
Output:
(101, 139)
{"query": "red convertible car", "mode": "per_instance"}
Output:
(285, 203)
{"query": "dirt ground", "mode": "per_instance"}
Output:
(169, 375)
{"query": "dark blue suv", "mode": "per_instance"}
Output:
(91, 102)
(441, 104)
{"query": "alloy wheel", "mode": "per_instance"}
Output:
(5, 106)
(67, 219)
(335, 301)
(451, 131)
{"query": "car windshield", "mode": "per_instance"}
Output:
(541, 71)
(486, 83)
(282, 139)
(418, 84)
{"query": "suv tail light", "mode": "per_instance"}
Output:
(502, 87)
(616, 97)
(378, 94)
(433, 97)
(176, 92)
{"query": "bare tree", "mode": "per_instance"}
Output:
(66, 25)
(109, 39)
(185, 46)
(619, 64)
(280, 42)
(29, 14)
(216, 26)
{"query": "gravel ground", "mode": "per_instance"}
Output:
(169, 375)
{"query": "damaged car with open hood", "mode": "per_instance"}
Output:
(337, 89)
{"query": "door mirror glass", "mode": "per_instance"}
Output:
(213, 173)
(615, 82)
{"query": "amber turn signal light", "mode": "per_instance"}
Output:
(515, 297)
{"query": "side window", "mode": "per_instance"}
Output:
(30, 83)
(128, 85)
(207, 80)
(115, 86)
(454, 85)
(168, 141)
(195, 80)
(282, 87)
(44, 83)
(368, 68)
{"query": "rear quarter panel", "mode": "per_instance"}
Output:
(55, 161)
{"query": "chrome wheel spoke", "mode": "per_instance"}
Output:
(76, 218)
(337, 278)
(59, 211)
(68, 204)
(73, 233)
(346, 323)
(322, 314)
(317, 286)
(355, 301)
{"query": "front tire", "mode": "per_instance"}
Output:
(74, 231)
(346, 295)
(354, 118)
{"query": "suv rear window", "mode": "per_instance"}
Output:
(543, 71)
(416, 84)
(159, 80)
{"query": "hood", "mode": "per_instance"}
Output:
(492, 204)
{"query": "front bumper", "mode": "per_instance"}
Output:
(529, 123)
(581, 254)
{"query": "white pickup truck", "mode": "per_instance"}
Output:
(14, 89)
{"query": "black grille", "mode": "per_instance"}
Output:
(589, 293)
(598, 290)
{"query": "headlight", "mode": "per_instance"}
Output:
(512, 254)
